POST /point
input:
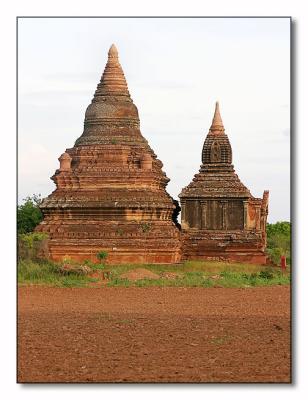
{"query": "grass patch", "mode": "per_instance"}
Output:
(190, 274)
(47, 273)
(204, 274)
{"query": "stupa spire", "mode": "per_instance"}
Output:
(113, 51)
(113, 80)
(217, 124)
(216, 147)
(112, 111)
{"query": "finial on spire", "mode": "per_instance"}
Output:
(113, 52)
(217, 124)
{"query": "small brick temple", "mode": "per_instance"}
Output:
(111, 193)
(220, 219)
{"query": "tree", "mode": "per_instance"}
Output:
(279, 241)
(283, 228)
(29, 214)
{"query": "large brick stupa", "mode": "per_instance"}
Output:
(220, 219)
(110, 188)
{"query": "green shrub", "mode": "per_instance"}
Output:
(33, 246)
(279, 241)
(102, 255)
(29, 214)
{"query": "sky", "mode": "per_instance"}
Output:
(176, 69)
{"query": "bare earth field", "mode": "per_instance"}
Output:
(154, 334)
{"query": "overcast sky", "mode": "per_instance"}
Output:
(176, 69)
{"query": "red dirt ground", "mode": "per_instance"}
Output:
(154, 334)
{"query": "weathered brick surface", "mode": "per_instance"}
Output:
(110, 191)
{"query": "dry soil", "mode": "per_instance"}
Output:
(153, 334)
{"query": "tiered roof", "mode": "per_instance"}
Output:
(216, 177)
(112, 117)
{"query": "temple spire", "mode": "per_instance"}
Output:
(113, 81)
(216, 147)
(217, 124)
(110, 108)
(113, 52)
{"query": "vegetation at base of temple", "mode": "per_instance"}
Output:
(102, 255)
(32, 246)
(29, 214)
(48, 273)
(188, 274)
(279, 241)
